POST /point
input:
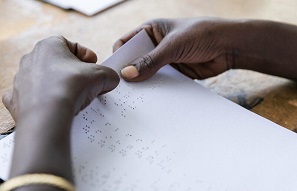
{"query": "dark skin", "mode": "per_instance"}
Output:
(205, 47)
(56, 80)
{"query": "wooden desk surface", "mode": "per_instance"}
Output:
(25, 22)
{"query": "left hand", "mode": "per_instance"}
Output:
(59, 72)
(197, 47)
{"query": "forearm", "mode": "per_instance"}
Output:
(54, 82)
(42, 142)
(263, 46)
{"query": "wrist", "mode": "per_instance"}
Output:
(42, 141)
(249, 42)
(264, 46)
(43, 113)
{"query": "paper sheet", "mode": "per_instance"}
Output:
(169, 133)
(87, 7)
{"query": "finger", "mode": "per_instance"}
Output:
(147, 65)
(152, 29)
(125, 39)
(7, 101)
(81, 52)
(101, 80)
(106, 78)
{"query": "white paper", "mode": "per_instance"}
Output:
(169, 133)
(87, 7)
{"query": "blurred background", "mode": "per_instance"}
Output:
(23, 23)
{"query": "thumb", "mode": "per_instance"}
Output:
(146, 66)
(102, 79)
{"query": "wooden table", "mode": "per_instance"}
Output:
(25, 22)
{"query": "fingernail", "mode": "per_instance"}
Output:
(130, 72)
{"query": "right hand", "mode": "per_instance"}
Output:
(192, 46)
(58, 72)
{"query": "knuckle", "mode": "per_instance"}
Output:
(157, 21)
(157, 24)
(55, 38)
(24, 60)
(49, 41)
(25, 57)
(146, 63)
(41, 44)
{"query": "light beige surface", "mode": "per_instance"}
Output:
(23, 23)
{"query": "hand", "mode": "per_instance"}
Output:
(54, 82)
(58, 72)
(190, 45)
(205, 47)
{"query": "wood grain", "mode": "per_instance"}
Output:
(23, 23)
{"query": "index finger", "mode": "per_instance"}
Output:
(82, 53)
(125, 39)
(148, 28)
